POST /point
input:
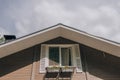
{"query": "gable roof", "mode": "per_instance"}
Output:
(64, 31)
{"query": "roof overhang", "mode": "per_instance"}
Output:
(59, 31)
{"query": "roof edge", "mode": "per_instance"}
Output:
(65, 26)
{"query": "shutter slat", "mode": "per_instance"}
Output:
(43, 59)
(78, 58)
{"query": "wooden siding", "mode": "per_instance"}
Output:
(39, 76)
(17, 66)
(25, 64)
(100, 65)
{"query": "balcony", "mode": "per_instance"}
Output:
(59, 72)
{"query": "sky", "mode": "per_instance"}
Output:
(97, 17)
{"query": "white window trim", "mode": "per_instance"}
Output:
(74, 63)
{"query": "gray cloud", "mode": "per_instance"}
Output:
(98, 17)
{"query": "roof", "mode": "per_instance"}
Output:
(64, 31)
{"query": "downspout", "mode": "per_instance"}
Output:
(86, 67)
(85, 63)
(33, 64)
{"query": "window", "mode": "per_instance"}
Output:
(66, 56)
(54, 56)
(60, 55)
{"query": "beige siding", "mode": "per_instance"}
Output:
(101, 66)
(39, 76)
(25, 66)
(17, 66)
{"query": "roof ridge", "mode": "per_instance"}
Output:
(63, 25)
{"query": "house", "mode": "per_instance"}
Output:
(63, 50)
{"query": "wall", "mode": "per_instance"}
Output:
(59, 40)
(17, 66)
(24, 65)
(101, 65)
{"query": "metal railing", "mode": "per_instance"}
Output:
(59, 72)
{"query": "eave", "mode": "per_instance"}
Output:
(59, 31)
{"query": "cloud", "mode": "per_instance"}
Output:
(101, 30)
(101, 19)
(3, 31)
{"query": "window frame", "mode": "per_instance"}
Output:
(73, 60)
(60, 55)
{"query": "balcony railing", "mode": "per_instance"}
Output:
(58, 72)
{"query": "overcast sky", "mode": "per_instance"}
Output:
(97, 17)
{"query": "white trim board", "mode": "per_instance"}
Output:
(59, 31)
(75, 56)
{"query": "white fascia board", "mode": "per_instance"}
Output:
(28, 41)
(30, 36)
(88, 35)
(91, 41)
(63, 31)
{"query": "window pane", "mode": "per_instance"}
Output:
(53, 56)
(65, 57)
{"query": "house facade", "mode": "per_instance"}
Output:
(60, 53)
